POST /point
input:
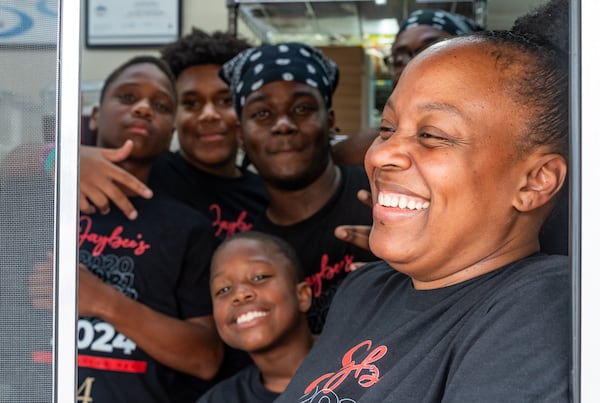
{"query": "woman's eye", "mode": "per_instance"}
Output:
(433, 140)
(429, 136)
(386, 132)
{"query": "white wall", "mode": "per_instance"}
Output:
(211, 15)
(208, 15)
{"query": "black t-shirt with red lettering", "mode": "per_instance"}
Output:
(325, 258)
(162, 260)
(501, 337)
(231, 204)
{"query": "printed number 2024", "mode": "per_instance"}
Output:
(103, 337)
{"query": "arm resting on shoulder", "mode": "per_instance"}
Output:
(191, 346)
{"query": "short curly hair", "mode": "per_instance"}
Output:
(200, 47)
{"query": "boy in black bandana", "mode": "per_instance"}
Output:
(283, 97)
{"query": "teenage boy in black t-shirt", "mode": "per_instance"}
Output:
(203, 173)
(282, 94)
(145, 331)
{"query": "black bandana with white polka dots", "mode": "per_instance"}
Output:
(454, 24)
(253, 68)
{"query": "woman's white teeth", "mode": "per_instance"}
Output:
(390, 201)
(248, 316)
(403, 202)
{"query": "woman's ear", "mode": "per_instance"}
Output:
(304, 294)
(545, 177)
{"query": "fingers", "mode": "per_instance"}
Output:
(118, 154)
(357, 235)
(365, 197)
(85, 206)
(102, 181)
(127, 180)
(101, 196)
(93, 197)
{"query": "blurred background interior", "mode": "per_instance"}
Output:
(356, 34)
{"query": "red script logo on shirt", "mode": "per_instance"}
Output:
(327, 272)
(365, 372)
(114, 240)
(229, 227)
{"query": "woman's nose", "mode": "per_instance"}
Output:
(391, 152)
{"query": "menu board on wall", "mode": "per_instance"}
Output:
(28, 23)
(118, 23)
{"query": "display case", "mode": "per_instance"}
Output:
(335, 23)
(357, 35)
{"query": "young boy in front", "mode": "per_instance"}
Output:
(259, 306)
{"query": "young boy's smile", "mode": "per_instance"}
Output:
(257, 300)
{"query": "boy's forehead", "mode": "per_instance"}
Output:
(146, 73)
(284, 90)
(251, 250)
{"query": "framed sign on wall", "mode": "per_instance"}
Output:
(132, 23)
(28, 23)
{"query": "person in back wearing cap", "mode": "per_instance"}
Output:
(419, 30)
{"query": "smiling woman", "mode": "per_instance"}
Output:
(447, 147)
(463, 174)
